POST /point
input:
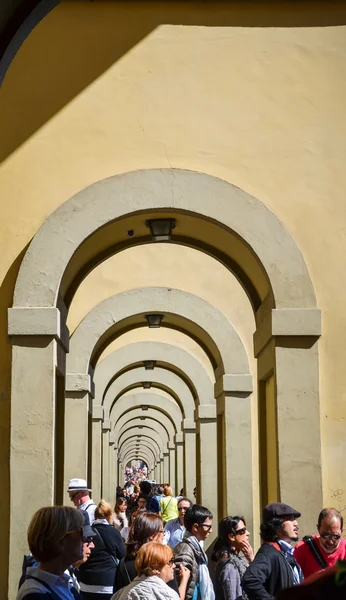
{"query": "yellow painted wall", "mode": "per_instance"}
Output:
(100, 88)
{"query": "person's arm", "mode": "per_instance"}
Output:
(230, 582)
(167, 535)
(255, 577)
(184, 575)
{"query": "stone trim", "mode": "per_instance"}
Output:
(231, 383)
(288, 322)
(37, 321)
(97, 413)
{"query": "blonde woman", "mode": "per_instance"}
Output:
(97, 575)
(168, 505)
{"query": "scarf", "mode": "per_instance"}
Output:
(206, 588)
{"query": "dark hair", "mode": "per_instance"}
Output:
(120, 500)
(223, 545)
(268, 529)
(143, 496)
(330, 512)
(185, 500)
(144, 526)
(145, 487)
(160, 490)
(196, 514)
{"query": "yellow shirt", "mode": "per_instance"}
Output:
(169, 508)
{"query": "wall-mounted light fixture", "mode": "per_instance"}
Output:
(149, 365)
(144, 407)
(146, 385)
(142, 418)
(161, 229)
(154, 320)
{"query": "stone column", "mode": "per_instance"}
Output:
(286, 345)
(161, 469)
(96, 458)
(78, 399)
(207, 471)
(189, 433)
(112, 476)
(39, 345)
(106, 427)
(235, 484)
(166, 466)
(171, 449)
(179, 469)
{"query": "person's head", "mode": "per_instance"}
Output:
(181, 493)
(103, 511)
(155, 559)
(78, 491)
(143, 500)
(183, 505)
(167, 490)
(145, 487)
(195, 492)
(279, 523)
(330, 527)
(198, 521)
(160, 490)
(120, 505)
(55, 533)
(232, 533)
(147, 527)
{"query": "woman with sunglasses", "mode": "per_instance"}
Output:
(233, 554)
(97, 575)
(55, 539)
(155, 569)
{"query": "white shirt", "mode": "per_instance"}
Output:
(90, 508)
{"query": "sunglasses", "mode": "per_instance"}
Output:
(86, 539)
(182, 508)
(72, 496)
(330, 536)
(240, 531)
(208, 527)
(171, 562)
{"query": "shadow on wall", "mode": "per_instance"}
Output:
(79, 40)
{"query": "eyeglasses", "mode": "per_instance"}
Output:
(72, 496)
(240, 531)
(330, 536)
(171, 562)
(86, 539)
(183, 508)
(161, 531)
(208, 527)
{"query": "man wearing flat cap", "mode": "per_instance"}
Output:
(79, 494)
(274, 567)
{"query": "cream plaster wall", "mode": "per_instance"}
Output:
(263, 108)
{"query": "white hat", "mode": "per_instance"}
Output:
(76, 484)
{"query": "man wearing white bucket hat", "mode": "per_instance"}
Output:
(79, 494)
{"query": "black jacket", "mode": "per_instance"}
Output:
(100, 568)
(267, 575)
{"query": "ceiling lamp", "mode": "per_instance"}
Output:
(154, 320)
(161, 229)
(146, 385)
(144, 407)
(149, 365)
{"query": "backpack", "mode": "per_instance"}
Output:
(86, 514)
(28, 561)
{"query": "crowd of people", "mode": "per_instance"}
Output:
(151, 546)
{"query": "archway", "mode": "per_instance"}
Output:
(216, 217)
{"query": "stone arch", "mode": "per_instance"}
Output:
(145, 443)
(159, 378)
(151, 418)
(155, 426)
(166, 356)
(143, 434)
(215, 217)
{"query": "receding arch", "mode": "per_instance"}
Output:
(159, 378)
(142, 434)
(269, 250)
(134, 401)
(184, 311)
(145, 443)
(166, 356)
(148, 424)
(152, 415)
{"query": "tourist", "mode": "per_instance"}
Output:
(97, 575)
(119, 518)
(155, 569)
(79, 494)
(325, 548)
(152, 505)
(55, 539)
(175, 528)
(274, 567)
(198, 521)
(233, 539)
(168, 505)
(159, 493)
